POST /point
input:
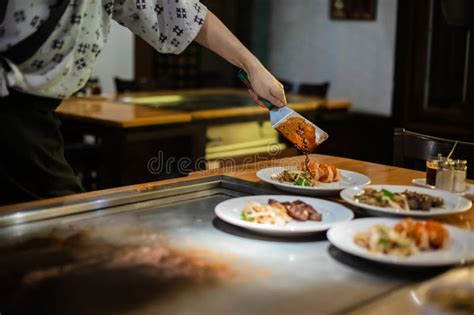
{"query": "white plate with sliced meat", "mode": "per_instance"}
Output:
(380, 200)
(345, 180)
(282, 215)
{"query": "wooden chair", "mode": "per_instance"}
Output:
(411, 150)
(125, 86)
(318, 89)
(288, 86)
(138, 85)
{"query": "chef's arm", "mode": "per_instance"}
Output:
(215, 36)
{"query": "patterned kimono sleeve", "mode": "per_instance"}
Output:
(167, 25)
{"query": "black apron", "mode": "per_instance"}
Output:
(32, 163)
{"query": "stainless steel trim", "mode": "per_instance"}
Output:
(147, 204)
(121, 199)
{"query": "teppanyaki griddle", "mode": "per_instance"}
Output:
(269, 275)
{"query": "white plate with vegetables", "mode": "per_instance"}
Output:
(302, 186)
(282, 215)
(405, 200)
(380, 240)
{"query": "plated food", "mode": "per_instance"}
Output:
(279, 212)
(309, 173)
(404, 238)
(405, 200)
(282, 215)
(312, 178)
(403, 242)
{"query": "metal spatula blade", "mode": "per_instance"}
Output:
(285, 115)
(301, 132)
(279, 114)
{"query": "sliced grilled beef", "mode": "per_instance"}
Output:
(298, 210)
(424, 202)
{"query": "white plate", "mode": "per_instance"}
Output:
(422, 183)
(459, 249)
(452, 202)
(230, 211)
(348, 179)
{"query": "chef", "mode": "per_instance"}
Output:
(48, 49)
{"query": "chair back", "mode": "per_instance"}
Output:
(138, 85)
(411, 150)
(313, 89)
(288, 86)
(320, 89)
(125, 86)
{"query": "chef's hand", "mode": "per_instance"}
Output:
(217, 37)
(266, 86)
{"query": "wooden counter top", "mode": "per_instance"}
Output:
(379, 174)
(110, 110)
(122, 115)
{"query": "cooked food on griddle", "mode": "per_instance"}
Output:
(453, 299)
(407, 200)
(280, 213)
(405, 238)
(100, 269)
(310, 173)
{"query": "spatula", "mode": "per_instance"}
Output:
(305, 135)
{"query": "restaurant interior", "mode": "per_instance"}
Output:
(186, 176)
(357, 78)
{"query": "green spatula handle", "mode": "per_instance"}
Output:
(242, 75)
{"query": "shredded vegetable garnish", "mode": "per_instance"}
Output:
(274, 214)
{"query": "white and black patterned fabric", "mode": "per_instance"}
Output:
(64, 62)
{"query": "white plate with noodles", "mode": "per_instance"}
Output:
(349, 237)
(346, 179)
(382, 202)
(244, 213)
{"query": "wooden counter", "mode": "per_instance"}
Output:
(379, 174)
(112, 111)
(126, 135)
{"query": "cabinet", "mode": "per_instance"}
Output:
(434, 77)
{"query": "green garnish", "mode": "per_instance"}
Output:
(384, 242)
(300, 181)
(388, 193)
(244, 217)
